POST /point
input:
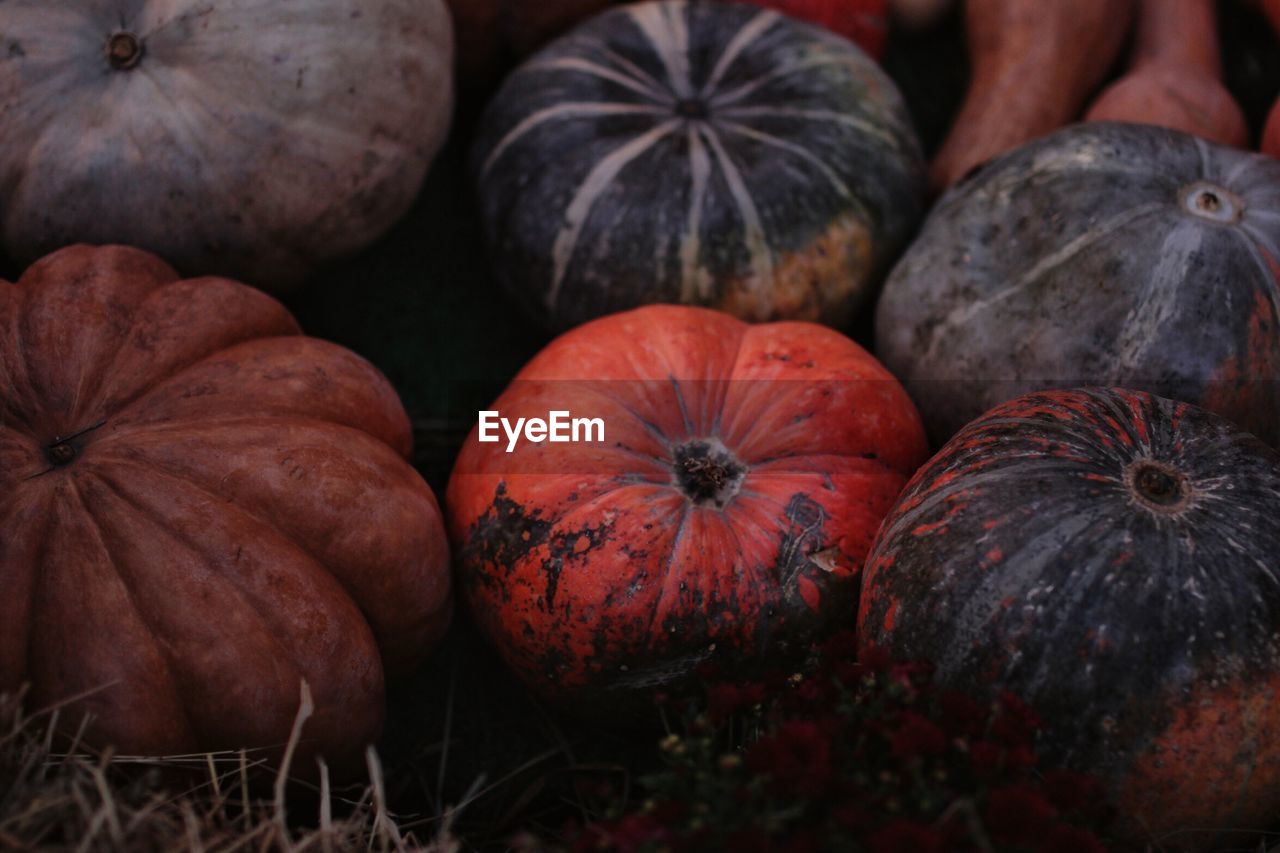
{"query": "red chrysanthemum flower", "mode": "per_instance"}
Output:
(962, 716)
(724, 700)
(749, 841)
(917, 737)
(1019, 815)
(1072, 792)
(905, 837)
(1015, 724)
(1065, 838)
(876, 659)
(797, 758)
(625, 835)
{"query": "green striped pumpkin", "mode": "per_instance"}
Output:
(701, 153)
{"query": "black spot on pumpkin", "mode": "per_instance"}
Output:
(802, 535)
(567, 546)
(504, 535)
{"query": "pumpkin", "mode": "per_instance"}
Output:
(723, 518)
(1175, 79)
(698, 153)
(198, 509)
(1104, 254)
(241, 138)
(1112, 557)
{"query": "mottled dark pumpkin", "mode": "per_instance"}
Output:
(726, 515)
(701, 153)
(1105, 254)
(1114, 558)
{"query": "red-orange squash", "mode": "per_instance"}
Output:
(1175, 76)
(725, 516)
(1035, 62)
(863, 22)
(198, 509)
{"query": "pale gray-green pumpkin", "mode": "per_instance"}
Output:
(240, 137)
(700, 153)
(1104, 254)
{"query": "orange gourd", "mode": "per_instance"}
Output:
(1034, 64)
(1271, 134)
(1175, 77)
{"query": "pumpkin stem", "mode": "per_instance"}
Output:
(1212, 202)
(694, 109)
(708, 473)
(63, 451)
(124, 49)
(1159, 486)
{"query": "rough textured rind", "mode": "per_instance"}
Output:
(700, 153)
(1074, 261)
(1024, 557)
(250, 139)
(198, 508)
(601, 571)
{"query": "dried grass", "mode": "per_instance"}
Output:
(77, 799)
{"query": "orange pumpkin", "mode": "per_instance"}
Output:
(198, 509)
(725, 516)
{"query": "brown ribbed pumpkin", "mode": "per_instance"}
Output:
(699, 153)
(198, 509)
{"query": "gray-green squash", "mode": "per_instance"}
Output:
(1104, 254)
(700, 153)
(240, 137)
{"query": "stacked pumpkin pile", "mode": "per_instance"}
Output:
(207, 519)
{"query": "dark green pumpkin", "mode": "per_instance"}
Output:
(1113, 558)
(1104, 254)
(700, 153)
